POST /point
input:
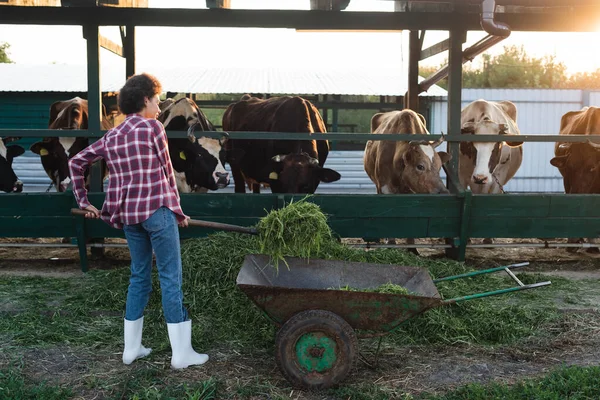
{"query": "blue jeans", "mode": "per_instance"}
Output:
(159, 233)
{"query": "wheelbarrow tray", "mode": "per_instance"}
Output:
(316, 285)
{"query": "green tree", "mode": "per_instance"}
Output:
(584, 80)
(512, 69)
(4, 53)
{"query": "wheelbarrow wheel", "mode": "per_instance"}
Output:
(316, 349)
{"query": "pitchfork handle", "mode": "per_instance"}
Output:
(196, 222)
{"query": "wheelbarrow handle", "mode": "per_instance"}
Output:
(197, 222)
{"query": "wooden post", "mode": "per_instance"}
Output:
(129, 49)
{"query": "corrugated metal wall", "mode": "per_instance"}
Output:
(538, 113)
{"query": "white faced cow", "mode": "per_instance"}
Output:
(8, 179)
(198, 163)
(404, 167)
(486, 167)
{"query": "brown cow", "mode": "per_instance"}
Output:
(55, 152)
(403, 167)
(287, 166)
(579, 163)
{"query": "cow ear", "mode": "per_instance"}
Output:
(55, 109)
(468, 128)
(328, 175)
(14, 151)
(509, 108)
(39, 148)
(559, 162)
(445, 157)
(376, 120)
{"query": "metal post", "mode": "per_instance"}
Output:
(454, 95)
(412, 97)
(454, 108)
(92, 35)
(335, 113)
(129, 50)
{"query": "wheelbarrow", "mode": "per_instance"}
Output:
(317, 343)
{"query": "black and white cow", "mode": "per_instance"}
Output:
(55, 152)
(198, 163)
(8, 179)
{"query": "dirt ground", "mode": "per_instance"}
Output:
(411, 369)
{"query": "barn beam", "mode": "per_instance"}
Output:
(111, 46)
(563, 19)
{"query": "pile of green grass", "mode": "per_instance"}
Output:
(299, 229)
(386, 288)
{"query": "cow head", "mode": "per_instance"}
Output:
(298, 173)
(199, 163)
(420, 165)
(579, 164)
(8, 179)
(55, 152)
(486, 155)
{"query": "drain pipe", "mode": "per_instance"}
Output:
(497, 31)
(488, 7)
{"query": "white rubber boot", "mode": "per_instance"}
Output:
(133, 341)
(180, 336)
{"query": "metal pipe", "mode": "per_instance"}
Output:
(488, 8)
(474, 273)
(62, 245)
(468, 55)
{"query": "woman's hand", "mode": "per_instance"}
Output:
(184, 223)
(92, 212)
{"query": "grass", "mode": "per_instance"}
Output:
(91, 308)
(573, 383)
(15, 386)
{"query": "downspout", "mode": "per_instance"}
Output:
(498, 31)
(487, 20)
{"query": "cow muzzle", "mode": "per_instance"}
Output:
(18, 188)
(221, 179)
(480, 179)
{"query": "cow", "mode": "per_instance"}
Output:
(404, 167)
(55, 152)
(198, 163)
(485, 167)
(286, 166)
(579, 163)
(9, 182)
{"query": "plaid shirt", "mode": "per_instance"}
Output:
(141, 177)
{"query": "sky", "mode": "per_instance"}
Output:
(161, 46)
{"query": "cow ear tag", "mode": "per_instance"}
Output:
(43, 152)
(273, 175)
(182, 155)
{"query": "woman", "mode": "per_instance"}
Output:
(143, 200)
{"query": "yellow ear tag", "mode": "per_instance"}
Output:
(273, 175)
(182, 155)
(43, 152)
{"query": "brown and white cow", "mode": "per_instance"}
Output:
(485, 167)
(198, 163)
(287, 166)
(579, 163)
(404, 167)
(55, 152)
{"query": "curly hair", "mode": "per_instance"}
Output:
(137, 87)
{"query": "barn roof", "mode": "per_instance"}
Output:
(378, 81)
